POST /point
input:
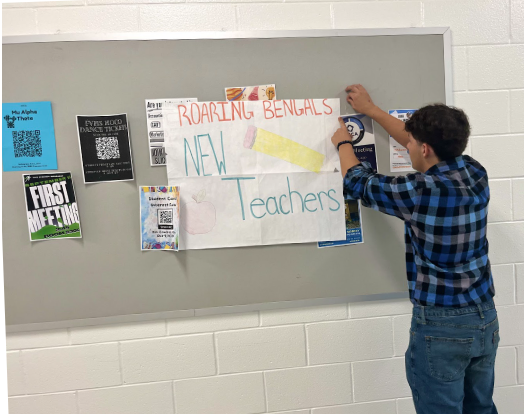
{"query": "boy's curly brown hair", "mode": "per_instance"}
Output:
(446, 129)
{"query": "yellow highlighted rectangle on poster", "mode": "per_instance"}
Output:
(283, 148)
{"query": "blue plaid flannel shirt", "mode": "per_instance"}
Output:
(445, 215)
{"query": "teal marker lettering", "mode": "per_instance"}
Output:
(196, 163)
(291, 198)
(202, 155)
(280, 204)
(261, 204)
(276, 206)
(239, 190)
(221, 164)
(334, 199)
(307, 201)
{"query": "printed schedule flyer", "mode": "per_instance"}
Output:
(159, 217)
(105, 148)
(28, 137)
(398, 155)
(52, 211)
(155, 128)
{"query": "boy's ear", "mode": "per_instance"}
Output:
(427, 151)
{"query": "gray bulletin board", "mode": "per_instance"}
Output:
(104, 276)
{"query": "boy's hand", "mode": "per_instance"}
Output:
(341, 134)
(359, 99)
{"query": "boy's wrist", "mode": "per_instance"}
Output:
(373, 111)
(347, 141)
(345, 150)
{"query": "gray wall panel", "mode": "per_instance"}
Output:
(105, 274)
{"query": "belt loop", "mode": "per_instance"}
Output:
(480, 311)
(422, 315)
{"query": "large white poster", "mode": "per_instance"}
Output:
(254, 173)
(260, 209)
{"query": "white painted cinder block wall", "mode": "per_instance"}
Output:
(326, 360)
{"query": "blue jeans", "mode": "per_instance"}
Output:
(450, 359)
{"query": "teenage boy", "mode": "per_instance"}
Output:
(454, 332)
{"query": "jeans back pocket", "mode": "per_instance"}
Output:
(496, 338)
(448, 357)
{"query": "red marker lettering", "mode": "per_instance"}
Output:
(307, 105)
(193, 105)
(213, 110)
(315, 109)
(288, 106)
(236, 109)
(205, 112)
(267, 108)
(275, 103)
(327, 106)
(298, 112)
(183, 115)
(225, 118)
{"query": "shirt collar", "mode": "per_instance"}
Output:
(451, 164)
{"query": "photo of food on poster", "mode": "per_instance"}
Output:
(398, 155)
(251, 93)
(159, 217)
(105, 148)
(28, 137)
(155, 128)
(52, 211)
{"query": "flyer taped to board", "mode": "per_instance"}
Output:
(159, 217)
(398, 155)
(28, 137)
(52, 210)
(362, 134)
(251, 93)
(155, 128)
(105, 148)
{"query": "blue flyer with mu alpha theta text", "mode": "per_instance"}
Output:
(28, 136)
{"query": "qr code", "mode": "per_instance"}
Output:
(107, 148)
(165, 216)
(27, 143)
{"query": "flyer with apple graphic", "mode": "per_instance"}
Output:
(159, 217)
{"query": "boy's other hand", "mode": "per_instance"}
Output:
(341, 134)
(359, 99)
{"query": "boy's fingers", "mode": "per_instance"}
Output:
(350, 87)
(341, 122)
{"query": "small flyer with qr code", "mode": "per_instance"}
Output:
(159, 217)
(28, 137)
(105, 148)
(52, 212)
